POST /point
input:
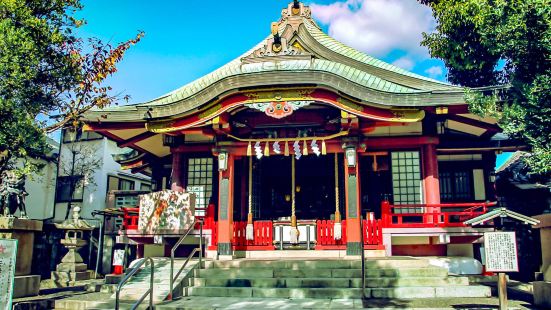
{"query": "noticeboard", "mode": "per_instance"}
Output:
(8, 253)
(501, 251)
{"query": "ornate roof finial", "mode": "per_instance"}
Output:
(276, 45)
(296, 7)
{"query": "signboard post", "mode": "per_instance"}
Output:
(8, 253)
(501, 257)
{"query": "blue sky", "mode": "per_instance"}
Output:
(187, 39)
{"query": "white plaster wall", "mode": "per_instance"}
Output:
(41, 187)
(94, 197)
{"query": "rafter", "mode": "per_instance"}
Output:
(136, 139)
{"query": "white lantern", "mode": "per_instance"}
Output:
(222, 161)
(350, 153)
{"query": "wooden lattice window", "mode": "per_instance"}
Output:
(199, 181)
(406, 179)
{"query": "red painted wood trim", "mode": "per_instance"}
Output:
(321, 95)
(106, 126)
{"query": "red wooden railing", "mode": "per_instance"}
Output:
(326, 238)
(263, 236)
(372, 230)
(130, 218)
(431, 215)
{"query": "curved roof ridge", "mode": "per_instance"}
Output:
(234, 68)
(352, 53)
(237, 60)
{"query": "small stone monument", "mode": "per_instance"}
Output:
(72, 268)
(23, 231)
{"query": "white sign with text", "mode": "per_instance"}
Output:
(501, 251)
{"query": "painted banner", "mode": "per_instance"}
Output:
(118, 258)
(166, 212)
(8, 252)
(501, 251)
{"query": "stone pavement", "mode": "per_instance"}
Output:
(210, 303)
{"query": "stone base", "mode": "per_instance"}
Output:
(25, 286)
(65, 278)
(225, 257)
(11, 223)
(113, 278)
(542, 294)
(71, 267)
(23, 230)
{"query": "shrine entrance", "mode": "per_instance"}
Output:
(314, 187)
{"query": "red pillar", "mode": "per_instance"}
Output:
(178, 175)
(353, 211)
(431, 183)
(225, 208)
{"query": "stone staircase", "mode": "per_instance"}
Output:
(133, 289)
(394, 277)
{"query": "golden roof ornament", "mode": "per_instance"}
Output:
(282, 33)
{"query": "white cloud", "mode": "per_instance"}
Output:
(404, 63)
(379, 27)
(435, 72)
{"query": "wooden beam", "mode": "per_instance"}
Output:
(105, 126)
(136, 139)
(473, 122)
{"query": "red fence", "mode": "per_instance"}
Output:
(263, 236)
(326, 238)
(372, 233)
(431, 215)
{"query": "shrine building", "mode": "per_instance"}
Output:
(315, 146)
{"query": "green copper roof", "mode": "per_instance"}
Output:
(321, 61)
(354, 54)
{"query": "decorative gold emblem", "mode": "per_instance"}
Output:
(278, 109)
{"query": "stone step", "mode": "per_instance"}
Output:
(329, 282)
(276, 292)
(254, 273)
(391, 272)
(455, 291)
(319, 264)
(336, 293)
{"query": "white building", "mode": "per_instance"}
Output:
(88, 164)
(41, 186)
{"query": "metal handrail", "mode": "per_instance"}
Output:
(195, 250)
(362, 255)
(128, 276)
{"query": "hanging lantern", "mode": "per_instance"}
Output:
(350, 153)
(223, 161)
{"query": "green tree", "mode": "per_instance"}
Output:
(48, 75)
(501, 42)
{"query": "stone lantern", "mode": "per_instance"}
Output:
(72, 268)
